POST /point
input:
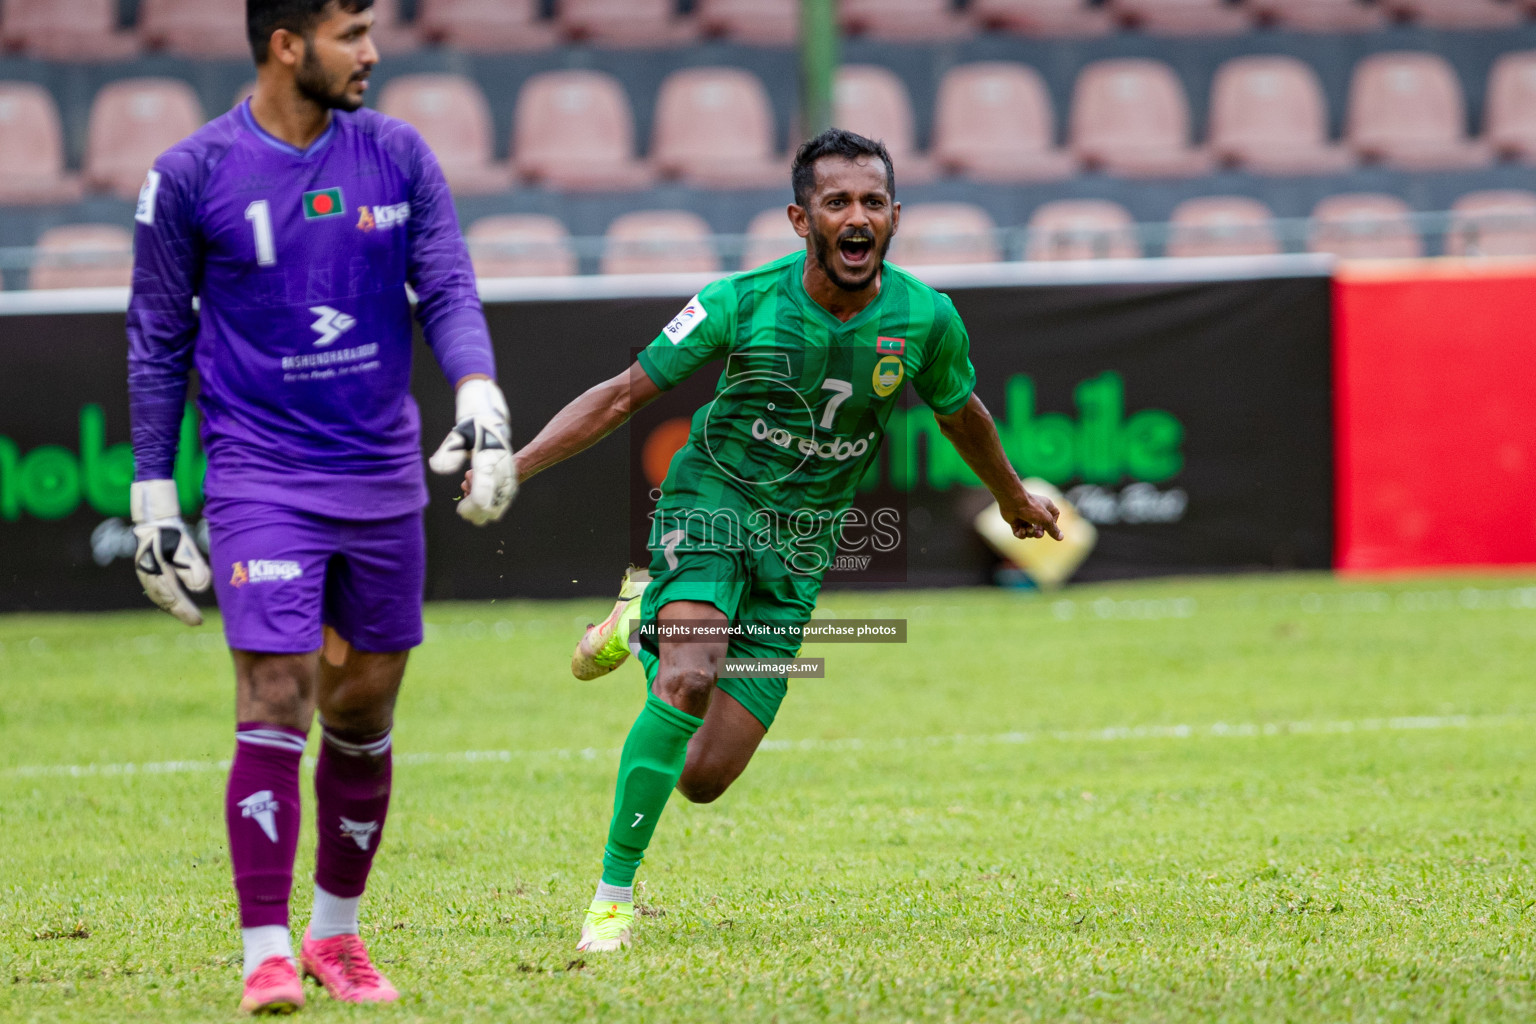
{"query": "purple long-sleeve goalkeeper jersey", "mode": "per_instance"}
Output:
(302, 339)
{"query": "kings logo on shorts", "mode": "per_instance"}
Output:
(323, 203)
(264, 570)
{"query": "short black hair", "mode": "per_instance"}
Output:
(836, 142)
(263, 17)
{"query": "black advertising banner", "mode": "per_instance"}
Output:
(1191, 422)
(65, 464)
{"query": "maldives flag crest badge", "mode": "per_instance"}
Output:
(891, 346)
(323, 203)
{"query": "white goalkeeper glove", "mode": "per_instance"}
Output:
(483, 437)
(167, 559)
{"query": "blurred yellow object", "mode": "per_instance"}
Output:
(1049, 562)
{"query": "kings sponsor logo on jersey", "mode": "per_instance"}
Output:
(684, 323)
(382, 218)
(264, 570)
(324, 203)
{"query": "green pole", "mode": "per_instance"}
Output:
(818, 64)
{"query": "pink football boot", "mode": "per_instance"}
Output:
(341, 964)
(274, 987)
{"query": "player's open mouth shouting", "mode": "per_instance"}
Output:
(855, 246)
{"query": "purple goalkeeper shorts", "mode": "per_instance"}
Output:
(281, 574)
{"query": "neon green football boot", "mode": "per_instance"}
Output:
(605, 645)
(607, 928)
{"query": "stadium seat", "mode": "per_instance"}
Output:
(769, 236)
(1183, 17)
(452, 115)
(72, 30)
(32, 148)
(755, 22)
(520, 245)
(1268, 115)
(486, 26)
(1459, 14)
(391, 34)
(1494, 223)
(1406, 110)
(626, 23)
(873, 101)
(133, 121)
(1510, 110)
(713, 128)
(1082, 229)
(574, 130)
(659, 241)
(1221, 226)
(941, 233)
(1064, 19)
(83, 256)
(1364, 225)
(200, 29)
(1320, 15)
(903, 20)
(1130, 117)
(994, 122)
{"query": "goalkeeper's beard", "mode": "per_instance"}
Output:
(314, 85)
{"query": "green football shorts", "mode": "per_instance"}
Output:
(748, 586)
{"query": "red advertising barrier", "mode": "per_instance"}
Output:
(1435, 415)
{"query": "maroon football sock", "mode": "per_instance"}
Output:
(261, 812)
(352, 781)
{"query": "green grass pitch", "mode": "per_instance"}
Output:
(1265, 798)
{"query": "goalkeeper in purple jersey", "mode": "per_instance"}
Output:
(297, 220)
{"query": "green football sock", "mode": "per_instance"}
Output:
(649, 767)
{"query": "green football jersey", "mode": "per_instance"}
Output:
(803, 399)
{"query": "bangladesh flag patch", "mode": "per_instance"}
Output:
(890, 346)
(323, 203)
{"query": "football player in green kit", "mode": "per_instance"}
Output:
(816, 347)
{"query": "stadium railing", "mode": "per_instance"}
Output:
(1437, 233)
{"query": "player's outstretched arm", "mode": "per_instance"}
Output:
(971, 430)
(591, 417)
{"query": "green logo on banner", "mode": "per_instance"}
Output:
(1104, 445)
(323, 203)
(50, 481)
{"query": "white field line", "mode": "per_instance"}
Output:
(1354, 601)
(1112, 734)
